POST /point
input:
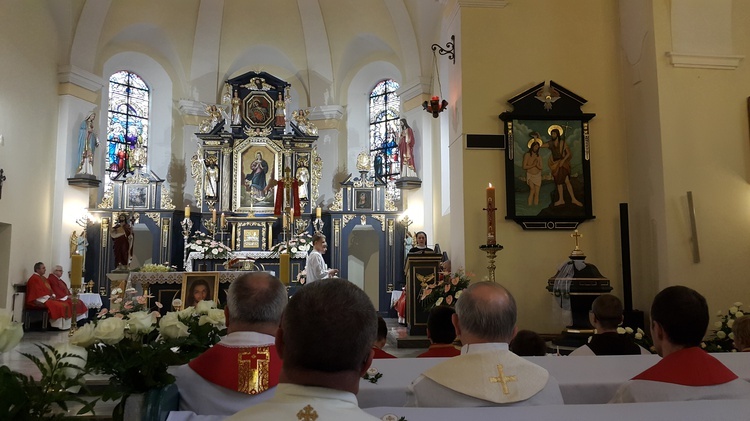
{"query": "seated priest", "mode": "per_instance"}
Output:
(61, 291)
(381, 340)
(606, 316)
(243, 368)
(326, 349)
(441, 333)
(679, 319)
(486, 373)
(39, 295)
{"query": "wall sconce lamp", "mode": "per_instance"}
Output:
(435, 106)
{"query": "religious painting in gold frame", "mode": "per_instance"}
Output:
(258, 109)
(257, 161)
(198, 286)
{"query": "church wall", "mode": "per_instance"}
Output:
(28, 124)
(704, 130)
(505, 51)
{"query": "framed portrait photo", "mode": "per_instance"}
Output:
(362, 199)
(548, 159)
(199, 286)
(137, 196)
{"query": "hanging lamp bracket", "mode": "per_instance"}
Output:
(449, 50)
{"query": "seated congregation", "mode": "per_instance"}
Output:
(307, 358)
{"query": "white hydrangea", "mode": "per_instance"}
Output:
(739, 314)
(721, 335)
(733, 309)
(628, 330)
(621, 331)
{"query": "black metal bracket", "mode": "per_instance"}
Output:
(450, 49)
(2, 178)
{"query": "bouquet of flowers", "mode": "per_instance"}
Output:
(301, 242)
(444, 290)
(151, 267)
(124, 302)
(210, 248)
(639, 337)
(195, 329)
(722, 339)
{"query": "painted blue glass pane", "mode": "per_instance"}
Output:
(127, 120)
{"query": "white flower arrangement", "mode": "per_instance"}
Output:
(300, 243)
(210, 248)
(722, 339)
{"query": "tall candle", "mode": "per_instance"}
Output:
(76, 270)
(187, 212)
(317, 212)
(284, 268)
(223, 219)
(213, 216)
(491, 215)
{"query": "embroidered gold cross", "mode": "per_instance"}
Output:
(307, 414)
(503, 379)
(253, 370)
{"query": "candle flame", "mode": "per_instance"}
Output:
(490, 184)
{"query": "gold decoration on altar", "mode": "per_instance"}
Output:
(503, 379)
(381, 219)
(390, 203)
(316, 173)
(338, 201)
(258, 131)
(363, 219)
(154, 216)
(166, 198)
(257, 84)
(137, 178)
(363, 162)
(300, 119)
(196, 172)
(347, 218)
(214, 117)
(107, 200)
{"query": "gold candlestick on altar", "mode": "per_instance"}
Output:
(491, 250)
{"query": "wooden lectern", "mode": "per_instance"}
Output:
(421, 268)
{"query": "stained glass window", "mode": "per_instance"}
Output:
(384, 129)
(127, 121)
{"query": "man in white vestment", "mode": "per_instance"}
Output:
(486, 373)
(325, 341)
(679, 319)
(316, 267)
(243, 368)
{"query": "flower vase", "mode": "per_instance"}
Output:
(130, 408)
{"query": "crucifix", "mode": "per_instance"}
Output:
(2, 178)
(503, 379)
(576, 235)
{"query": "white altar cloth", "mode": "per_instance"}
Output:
(255, 255)
(583, 380)
(91, 300)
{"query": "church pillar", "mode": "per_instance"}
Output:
(328, 120)
(192, 113)
(78, 95)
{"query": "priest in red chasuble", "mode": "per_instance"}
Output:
(60, 289)
(243, 368)
(39, 294)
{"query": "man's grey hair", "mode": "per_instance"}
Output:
(487, 310)
(329, 326)
(257, 297)
(57, 267)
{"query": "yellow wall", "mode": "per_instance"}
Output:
(504, 52)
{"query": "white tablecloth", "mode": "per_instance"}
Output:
(583, 380)
(653, 411)
(255, 255)
(91, 300)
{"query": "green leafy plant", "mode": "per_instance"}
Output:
(62, 371)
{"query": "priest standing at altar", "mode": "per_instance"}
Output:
(315, 266)
(39, 295)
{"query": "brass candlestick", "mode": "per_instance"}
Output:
(491, 250)
(74, 301)
(187, 226)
